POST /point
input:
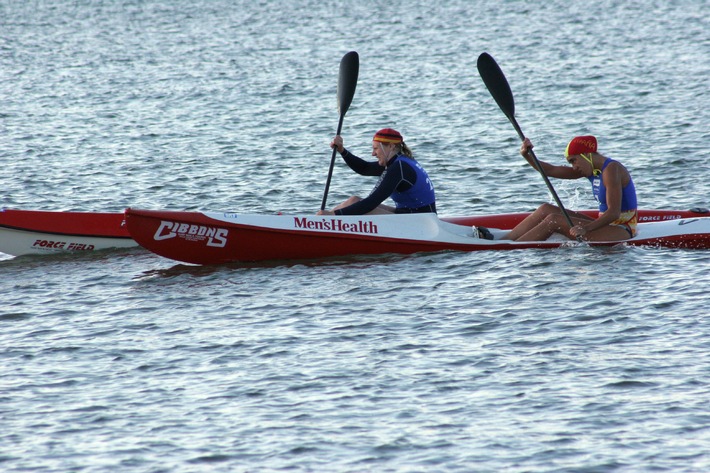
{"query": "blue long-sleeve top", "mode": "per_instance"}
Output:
(403, 179)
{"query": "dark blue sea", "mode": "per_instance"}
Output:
(568, 360)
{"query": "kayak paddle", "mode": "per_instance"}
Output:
(498, 86)
(347, 81)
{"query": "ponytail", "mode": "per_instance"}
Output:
(404, 149)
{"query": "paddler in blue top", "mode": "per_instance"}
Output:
(401, 177)
(612, 186)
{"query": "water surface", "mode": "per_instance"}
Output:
(575, 359)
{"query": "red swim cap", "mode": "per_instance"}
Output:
(580, 145)
(388, 135)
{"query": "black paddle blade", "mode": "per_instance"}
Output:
(496, 83)
(347, 81)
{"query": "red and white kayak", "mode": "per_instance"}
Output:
(221, 237)
(26, 232)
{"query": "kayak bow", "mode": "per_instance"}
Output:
(25, 232)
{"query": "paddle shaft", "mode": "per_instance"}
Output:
(332, 164)
(538, 166)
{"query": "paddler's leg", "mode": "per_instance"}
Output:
(558, 224)
(532, 221)
(538, 216)
(609, 233)
(379, 210)
(382, 209)
(553, 223)
(348, 202)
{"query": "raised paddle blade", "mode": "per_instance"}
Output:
(496, 83)
(498, 86)
(347, 80)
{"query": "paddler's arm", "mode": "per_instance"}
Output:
(550, 170)
(360, 166)
(357, 164)
(379, 194)
(613, 177)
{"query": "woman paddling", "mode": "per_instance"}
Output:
(401, 177)
(612, 186)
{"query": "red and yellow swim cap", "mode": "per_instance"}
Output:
(388, 135)
(581, 145)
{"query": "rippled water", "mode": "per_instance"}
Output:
(575, 359)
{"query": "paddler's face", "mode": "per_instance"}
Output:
(580, 165)
(383, 152)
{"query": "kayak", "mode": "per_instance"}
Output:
(205, 238)
(26, 232)
(36, 232)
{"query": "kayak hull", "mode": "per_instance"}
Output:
(223, 237)
(34, 232)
